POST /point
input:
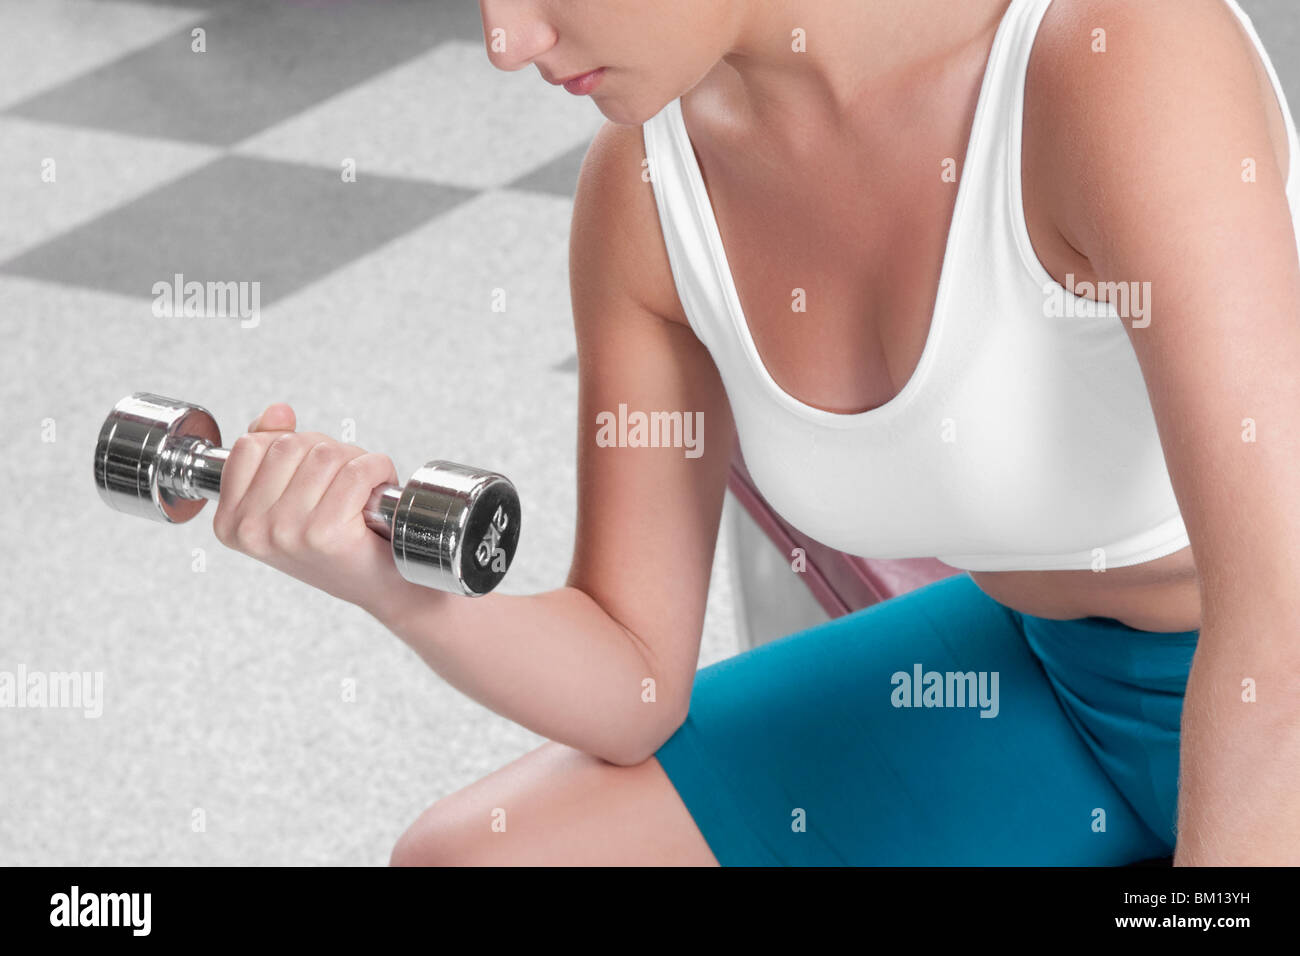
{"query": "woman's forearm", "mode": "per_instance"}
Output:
(554, 662)
(1238, 803)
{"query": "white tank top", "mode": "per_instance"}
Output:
(1025, 438)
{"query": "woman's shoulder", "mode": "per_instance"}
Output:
(1128, 99)
(616, 235)
(1165, 21)
(1099, 58)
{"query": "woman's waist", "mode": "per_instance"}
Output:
(1162, 595)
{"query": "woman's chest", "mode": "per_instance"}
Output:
(901, 388)
(836, 271)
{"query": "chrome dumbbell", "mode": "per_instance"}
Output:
(452, 527)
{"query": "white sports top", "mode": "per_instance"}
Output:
(1021, 442)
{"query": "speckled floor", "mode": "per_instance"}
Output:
(222, 694)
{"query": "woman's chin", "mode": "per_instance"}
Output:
(626, 114)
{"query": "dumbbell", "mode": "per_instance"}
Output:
(452, 527)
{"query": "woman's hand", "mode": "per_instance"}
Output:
(294, 500)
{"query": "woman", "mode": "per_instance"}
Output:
(867, 239)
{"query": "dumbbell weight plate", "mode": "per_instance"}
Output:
(129, 451)
(456, 528)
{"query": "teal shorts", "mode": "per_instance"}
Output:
(938, 728)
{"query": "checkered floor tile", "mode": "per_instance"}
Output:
(362, 161)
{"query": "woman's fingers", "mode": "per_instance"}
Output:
(293, 500)
(254, 477)
(351, 488)
(282, 454)
(315, 474)
(244, 461)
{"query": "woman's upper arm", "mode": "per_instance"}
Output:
(647, 516)
(1177, 184)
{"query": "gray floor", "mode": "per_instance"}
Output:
(223, 687)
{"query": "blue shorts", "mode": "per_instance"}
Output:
(938, 728)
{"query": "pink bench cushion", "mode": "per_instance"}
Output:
(841, 583)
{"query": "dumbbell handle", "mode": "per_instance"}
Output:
(191, 468)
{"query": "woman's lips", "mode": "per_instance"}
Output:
(584, 83)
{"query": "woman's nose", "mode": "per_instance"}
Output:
(515, 31)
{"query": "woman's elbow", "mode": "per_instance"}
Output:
(633, 749)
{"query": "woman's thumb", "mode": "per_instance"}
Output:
(277, 418)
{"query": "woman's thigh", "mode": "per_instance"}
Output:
(824, 747)
(557, 806)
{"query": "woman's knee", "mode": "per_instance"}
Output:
(556, 805)
(439, 837)
(510, 815)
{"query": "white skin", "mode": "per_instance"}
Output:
(887, 86)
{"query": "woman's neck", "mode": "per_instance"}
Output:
(850, 48)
